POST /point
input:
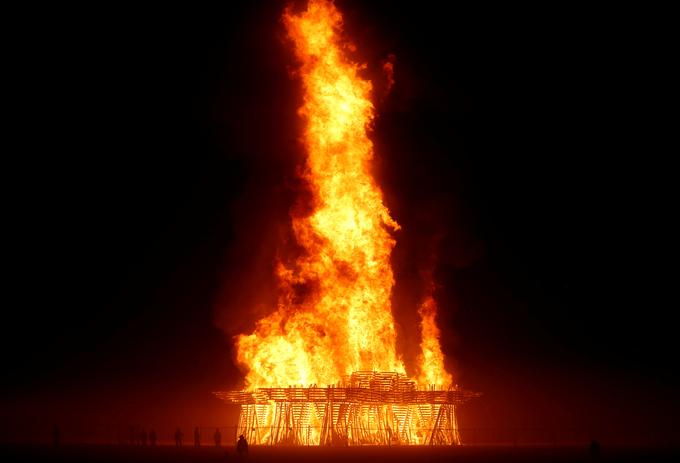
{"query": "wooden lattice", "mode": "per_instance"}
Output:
(376, 408)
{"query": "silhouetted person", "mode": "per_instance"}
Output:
(594, 448)
(197, 437)
(242, 446)
(178, 437)
(56, 436)
(133, 436)
(142, 438)
(153, 438)
(218, 437)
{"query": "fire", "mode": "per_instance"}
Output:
(334, 315)
(431, 360)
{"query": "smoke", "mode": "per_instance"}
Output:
(388, 72)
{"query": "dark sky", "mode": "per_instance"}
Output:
(524, 148)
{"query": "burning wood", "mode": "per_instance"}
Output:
(333, 321)
(368, 408)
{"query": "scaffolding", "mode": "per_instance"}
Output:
(367, 408)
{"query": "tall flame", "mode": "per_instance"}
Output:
(334, 315)
(431, 360)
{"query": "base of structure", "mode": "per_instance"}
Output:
(343, 424)
(368, 408)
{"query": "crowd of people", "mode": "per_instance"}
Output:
(140, 437)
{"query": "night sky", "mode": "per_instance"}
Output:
(521, 150)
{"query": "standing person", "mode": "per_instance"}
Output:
(242, 446)
(178, 438)
(143, 437)
(197, 437)
(218, 437)
(56, 435)
(153, 438)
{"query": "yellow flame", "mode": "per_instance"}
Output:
(334, 314)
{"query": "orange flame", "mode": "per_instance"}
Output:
(431, 368)
(334, 315)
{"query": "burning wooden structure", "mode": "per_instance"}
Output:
(368, 408)
(333, 311)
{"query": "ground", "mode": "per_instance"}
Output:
(473, 454)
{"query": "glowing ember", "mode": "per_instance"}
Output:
(334, 313)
